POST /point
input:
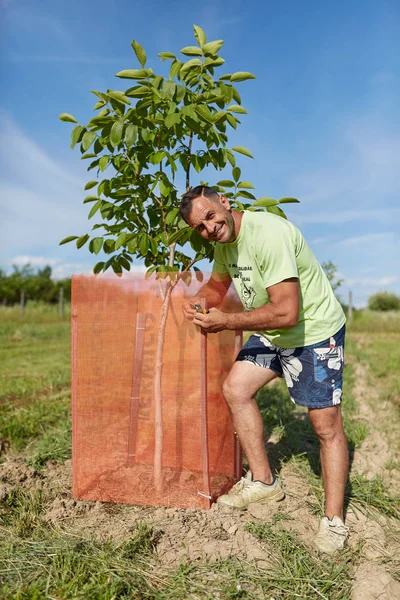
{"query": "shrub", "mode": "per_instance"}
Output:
(384, 301)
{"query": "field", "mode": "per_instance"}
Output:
(54, 547)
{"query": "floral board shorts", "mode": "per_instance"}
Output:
(313, 374)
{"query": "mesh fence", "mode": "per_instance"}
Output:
(134, 442)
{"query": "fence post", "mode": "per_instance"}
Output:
(22, 303)
(61, 302)
(350, 311)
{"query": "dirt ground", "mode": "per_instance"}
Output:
(194, 534)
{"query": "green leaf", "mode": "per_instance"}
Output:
(76, 135)
(171, 215)
(172, 120)
(120, 241)
(157, 157)
(67, 118)
(232, 121)
(81, 241)
(213, 62)
(180, 93)
(116, 132)
(213, 47)
(140, 53)
(204, 112)
(236, 172)
(175, 68)
(132, 74)
(165, 55)
(144, 244)
(288, 200)
(124, 263)
(235, 108)
(103, 163)
(138, 91)
(88, 155)
(265, 202)
(193, 63)
(191, 51)
(231, 157)
(236, 96)
(199, 35)
(115, 265)
(131, 135)
(177, 235)
(108, 247)
(88, 140)
(94, 209)
(90, 199)
(242, 150)
(276, 211)
(70, 238)
(246, 184)
(90, 185)
(226, 183)
(189, 111)
(96, 245)
(119, 96)
(98, 267)
(169, 89)
(242, 76)
(245, 194)
(99, 104)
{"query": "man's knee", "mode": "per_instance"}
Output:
(327, 425)
(233, 392)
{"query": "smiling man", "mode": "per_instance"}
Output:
(300, 330)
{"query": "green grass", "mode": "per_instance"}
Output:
(300, 573)
(372, 321)
(34, 383)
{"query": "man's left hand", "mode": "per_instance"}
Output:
(213, 321)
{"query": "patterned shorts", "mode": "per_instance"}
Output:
(313, 374)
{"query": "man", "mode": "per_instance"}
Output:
(300, 329)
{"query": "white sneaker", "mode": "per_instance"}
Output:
(331, 535)
(246, 491)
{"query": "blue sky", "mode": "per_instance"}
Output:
(323, 121)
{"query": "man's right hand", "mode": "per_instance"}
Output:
(187, 307)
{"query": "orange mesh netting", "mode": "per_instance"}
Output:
(115, 329)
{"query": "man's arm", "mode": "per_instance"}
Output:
(214, 291)
(280, 313)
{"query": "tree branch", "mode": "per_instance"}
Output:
(189, 162)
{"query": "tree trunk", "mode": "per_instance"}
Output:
(158, 447)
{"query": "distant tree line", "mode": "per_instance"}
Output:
(36, 284)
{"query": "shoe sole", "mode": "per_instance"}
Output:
(277, 497)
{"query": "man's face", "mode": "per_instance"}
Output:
(213, 219)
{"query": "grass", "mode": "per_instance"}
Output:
(38, 561)
(373, 321)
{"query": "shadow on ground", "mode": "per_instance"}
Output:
(292, 426)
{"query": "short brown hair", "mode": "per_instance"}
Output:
(187, 199)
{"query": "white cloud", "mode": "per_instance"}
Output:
(370, 238)
(60, 269)
(41, 198)
(384, 215)
(371, 282)
(364, 170)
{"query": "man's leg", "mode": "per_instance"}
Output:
(327, 423)
(239, 388)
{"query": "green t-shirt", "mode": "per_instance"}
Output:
(268, 250)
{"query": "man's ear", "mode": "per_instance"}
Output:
(225, 202)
